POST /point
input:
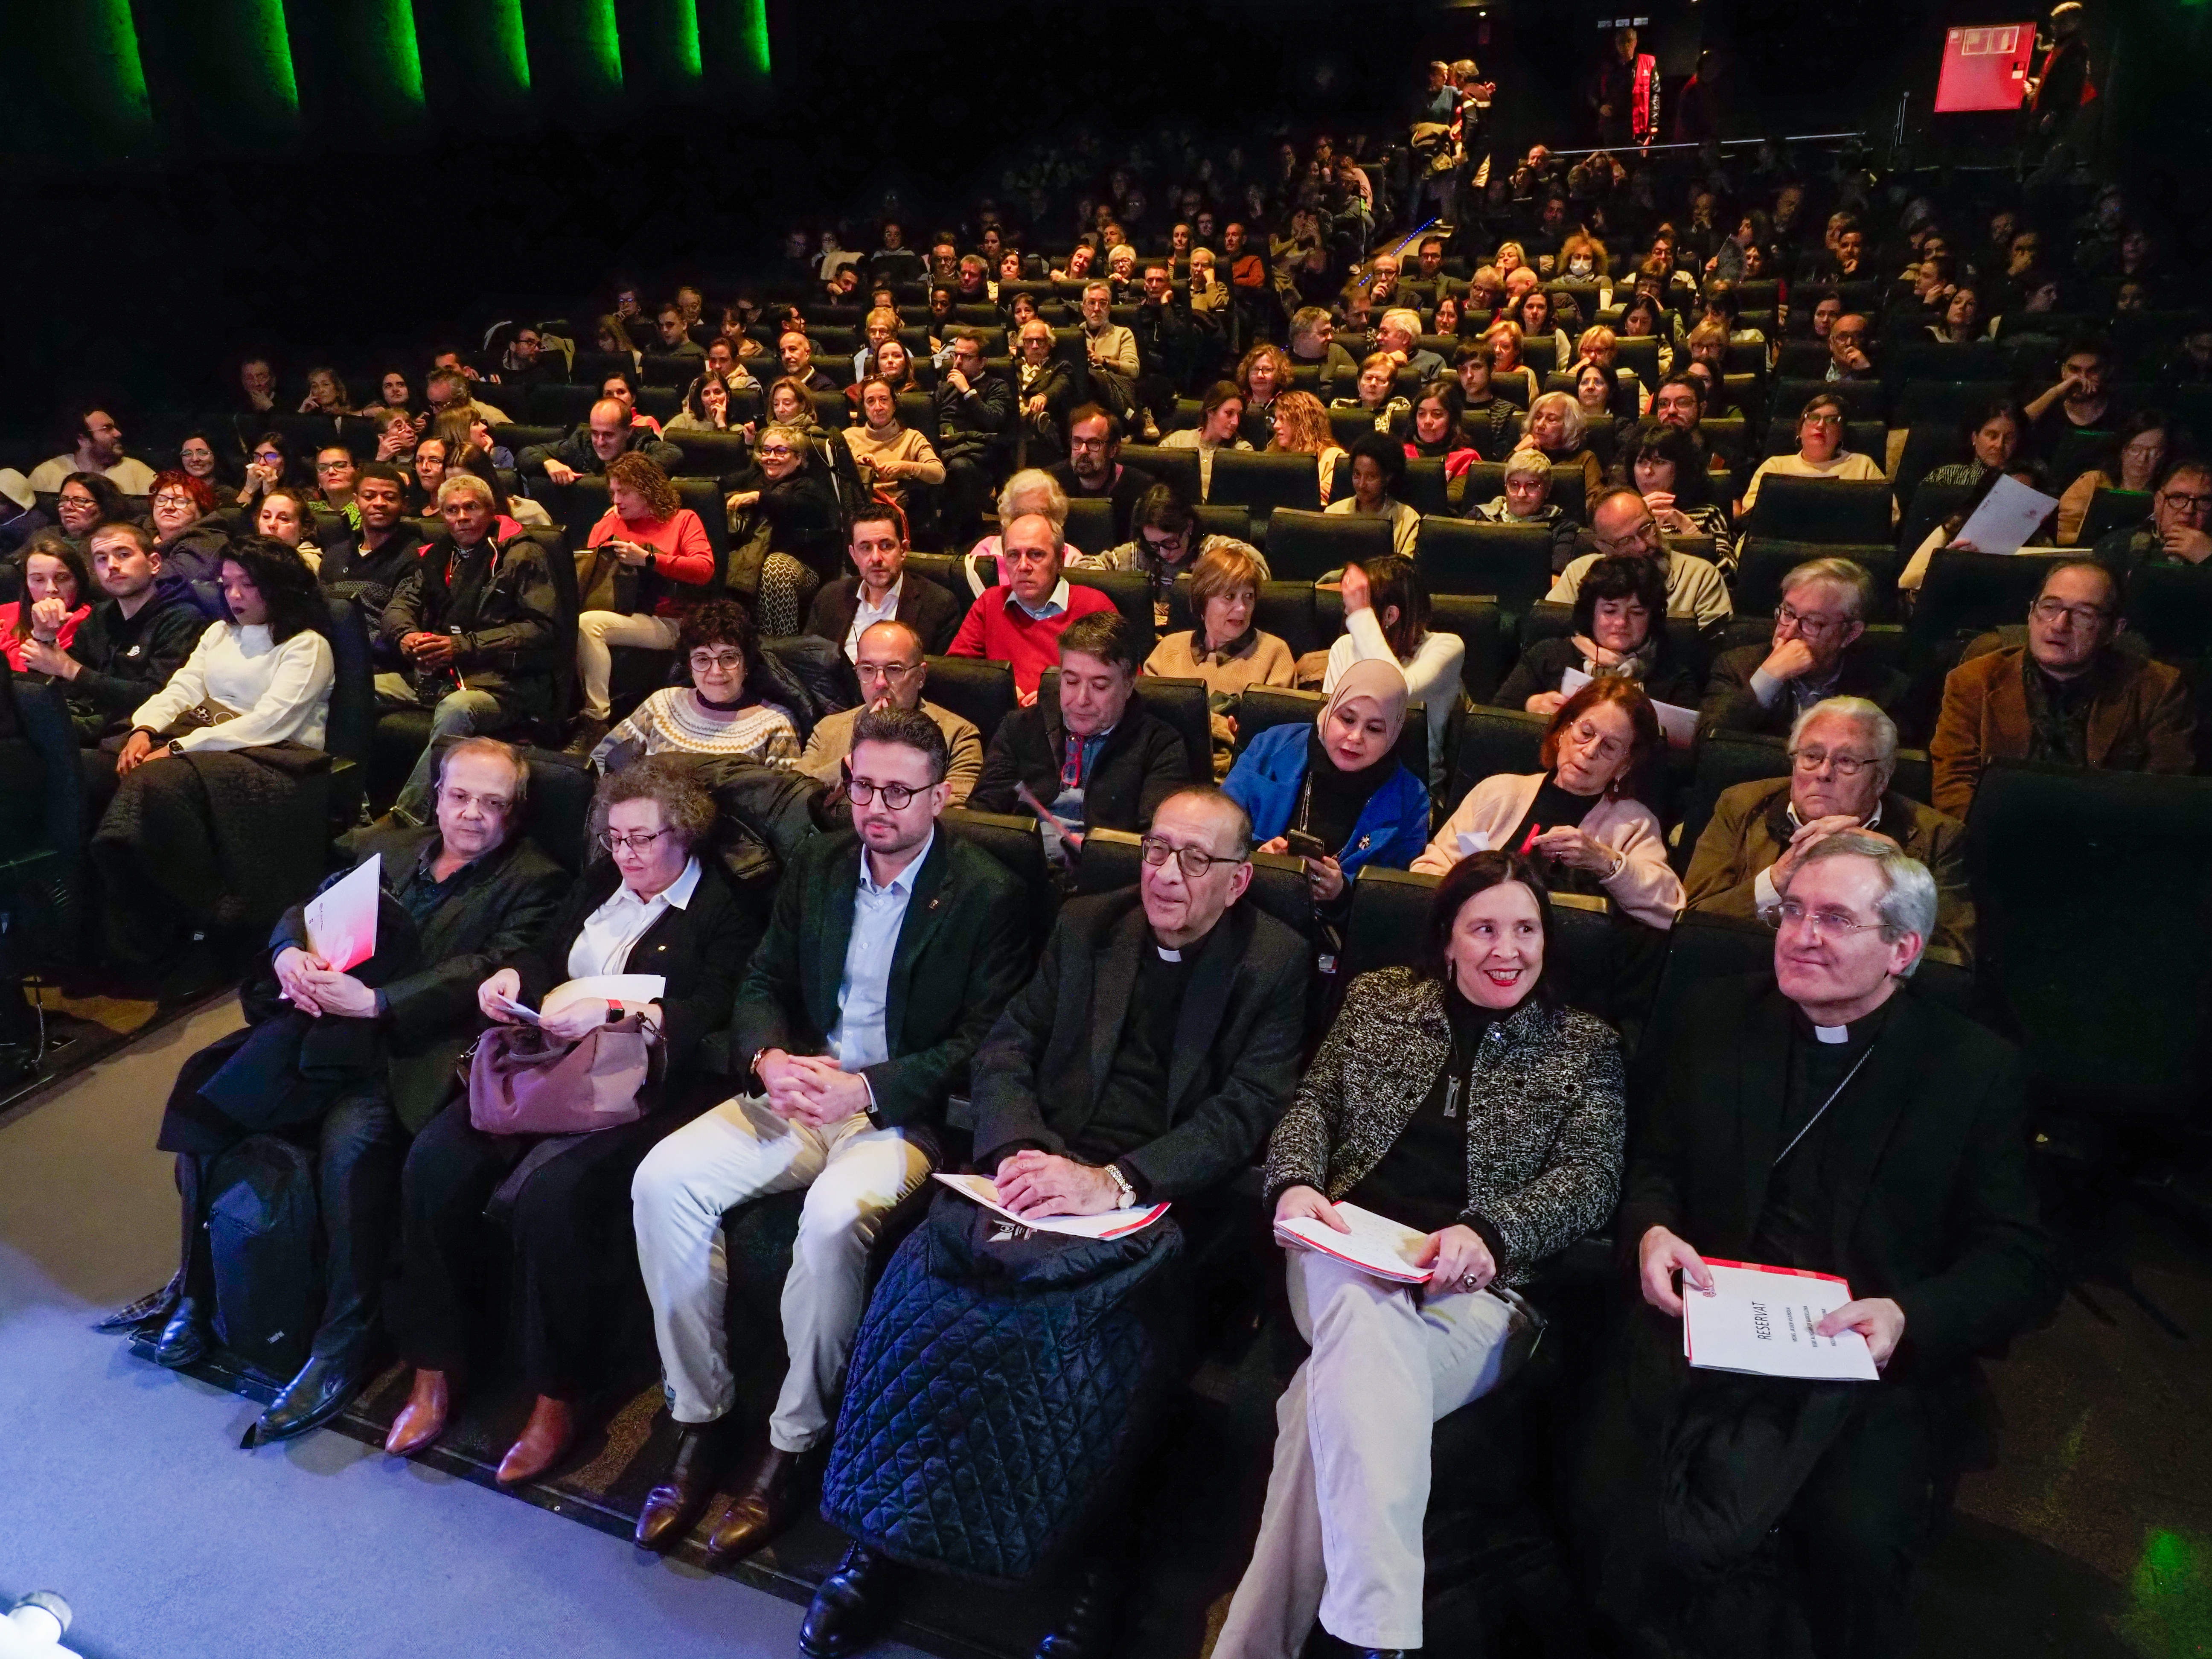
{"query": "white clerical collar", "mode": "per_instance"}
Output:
(1167, 955)
(1832, 1033)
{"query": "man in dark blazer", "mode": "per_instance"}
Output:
(1843, 753)
(890, 954)
(1093, 756)
(1093, 469)
(1764, 687)
(1827, 1121)
(879, 591)
(1147, 1059)
(476, 891)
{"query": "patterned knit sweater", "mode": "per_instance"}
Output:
(674, 718)
(1546, 1116)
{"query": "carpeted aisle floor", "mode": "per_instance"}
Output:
(122, 1486)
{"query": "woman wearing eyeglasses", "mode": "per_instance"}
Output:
(651, 904)
(719, 712)
(1820, 452)
(1578, 819)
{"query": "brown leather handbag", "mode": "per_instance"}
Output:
(522, 1082)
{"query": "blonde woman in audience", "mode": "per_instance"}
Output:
(1512, 378)
(1378, 372)
(1302, 427)
(1224, 649)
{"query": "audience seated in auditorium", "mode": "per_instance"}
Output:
(878, 590)
(1378, 468)
(1665, 464)
(1820, 452)
(659, 904)
(2024, 469)
(606, 434)
(977, 432)
(720, 710)
(1811, 658)
(1827, 1120)
(366, 564)
(1225, 649)
(1371, 395)
(890, 455)
(650, 563)
(1386, 618)
(893, 674)
(1019, 621)
(2133, 460)
(798, 509)
(1992, 439)
(1094, 757)
(474, 622)
(361, 1059)
(1620, 608)
(2070, 695)
(1145, 1062)
(1623, 526)
(1527, 499)
(1533, 1165)
(135, 636)
(891, 951)
(85, 500)
(1556, 430)
(1843, 752)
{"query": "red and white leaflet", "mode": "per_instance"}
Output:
(1114, 1223)
(1760, 1320)
(342, 918)
(1375, 1245)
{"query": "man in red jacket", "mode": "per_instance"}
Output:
(1019, 622)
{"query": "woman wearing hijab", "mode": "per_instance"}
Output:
(1578, 819)
(1338, 782)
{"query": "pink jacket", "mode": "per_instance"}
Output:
(1646, 888)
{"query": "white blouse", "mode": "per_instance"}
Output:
(1432, 674)
(281, 692)
(611, 932)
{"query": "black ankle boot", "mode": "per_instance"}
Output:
(183, 1340)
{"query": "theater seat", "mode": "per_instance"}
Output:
(1491, 741)
(1090, 523)
(559, 814)
(1178, 467)
(1687, 643)
(1181, 702)
(1765, 560)
(1967, 593)
(1480, 626)
(1725, 759)
(979, 691)
(349, 724)
(43, 827)
(1510, 563)
(713, 455)
(1261, 483)
(1014, 840)
(944, 569)
(2170, 607)
(1283, 608)
(1131, 593)
(1304, 545)
(1829, 511)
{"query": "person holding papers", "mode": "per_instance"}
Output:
(1145, 1062)
(1578, 820)
(1620, 605)
(1826, 1120)
(351, 1058)
(1764, 688)
(1460, 1100)
(891, 952)
(652, 907)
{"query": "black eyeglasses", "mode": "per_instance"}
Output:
(1192, 862)
(894, 795)
(639, 841)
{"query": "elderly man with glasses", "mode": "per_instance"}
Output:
(1842, 754)
(2176, 533)
(2070, 695)
(1811, 659)
(1822, 1118)
(892, 672)
(1622, 526)
(890, 954)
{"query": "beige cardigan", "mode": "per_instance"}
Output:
(1646, 888)
(1265, 660)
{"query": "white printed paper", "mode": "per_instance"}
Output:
(2007, 516)
(1375, 1245)
(1679, 724)
(342, 918)
(1760, 1320)
(1114, 1223)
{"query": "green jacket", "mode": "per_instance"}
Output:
(963, 949)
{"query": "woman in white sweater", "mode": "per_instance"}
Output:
(1386, 617)
(263, 677)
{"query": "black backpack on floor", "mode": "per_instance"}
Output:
(263, 1239)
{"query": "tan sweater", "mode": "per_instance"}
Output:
(904, 444)
(1264, 661)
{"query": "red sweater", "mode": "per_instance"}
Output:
(683, 553)
(1002, 630)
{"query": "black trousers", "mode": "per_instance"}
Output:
(1851, 1539)
(358, 1145)
(571, 1253)
(969, 480)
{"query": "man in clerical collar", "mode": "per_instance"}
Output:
(2068, 696)
(1145, 1062)
(1823, 1119)
(1843, 753)
(375, 1062)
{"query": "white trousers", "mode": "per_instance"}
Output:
(597, 633)
(1340, 1536)
(854, 1176)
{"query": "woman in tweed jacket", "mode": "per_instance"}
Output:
(1460, 1101)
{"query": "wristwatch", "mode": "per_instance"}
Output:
(1128, 1199)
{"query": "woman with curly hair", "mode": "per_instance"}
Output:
(1263, 375)
(719, 709)
(653, 562)
(1302, 427)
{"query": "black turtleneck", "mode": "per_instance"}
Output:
(1422, 1179)
(1333, 799)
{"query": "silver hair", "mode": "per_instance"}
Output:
(1868, 714)
(1855, 580)
(1907, 904)
(1528, 462)
(464, 483)
(1033, 490)
(1572, 426)
(1403, 317)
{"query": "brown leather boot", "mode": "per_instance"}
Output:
(675, 1503)
(423, 1419)
(543, 1442)
(766, 1503)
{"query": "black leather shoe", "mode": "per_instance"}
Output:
(183, 1340)
(852, 1606)
(1091, 1623)
(676, 1503)
(310, 1400)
